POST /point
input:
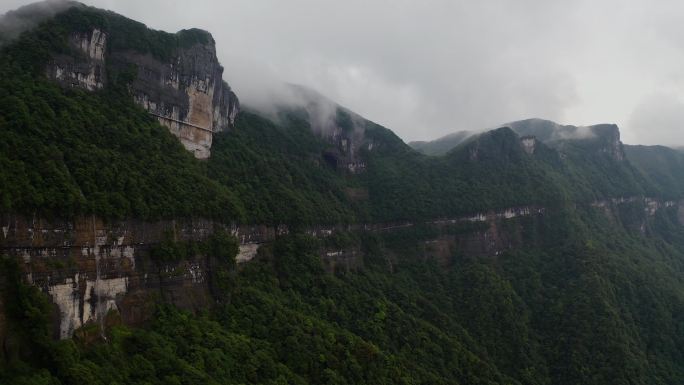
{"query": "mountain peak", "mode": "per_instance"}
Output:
(175, 77)
(609, 134)
(501, 144)
(22, 19)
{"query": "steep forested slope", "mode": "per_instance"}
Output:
(75, 152)
(593, 302)
(590, 292)
(662, 166)
(441, 146)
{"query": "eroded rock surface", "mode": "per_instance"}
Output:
(91, 268)
(185, 92)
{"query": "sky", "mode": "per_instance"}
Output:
(426, 68)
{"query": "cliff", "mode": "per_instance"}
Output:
(90, 268)
(498, 258)
(94, 270)
(182, 86)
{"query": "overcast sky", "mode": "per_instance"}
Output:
(425, 68)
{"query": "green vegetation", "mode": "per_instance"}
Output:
(588, 298)
(443, 145)
(662, 166)
(602, 306)
(67, 152)
(277, 172)
(64, 153)
(219, 245)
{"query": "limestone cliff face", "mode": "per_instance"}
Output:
(186, 93)
(529, 144)
(638, 213)
(94, 271)
(91, 269)
(347, 146)
(609, 134)
(344, 130)
(87, 70)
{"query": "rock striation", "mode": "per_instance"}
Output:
(86, 70)
(93, 269)
(185, 92)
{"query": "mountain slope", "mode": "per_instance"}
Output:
(530, 254)
(663, 167)
(441, 145)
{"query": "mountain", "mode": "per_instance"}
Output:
(661, 165)
(156, 231)
(548, 131)
(15, 22)
(441, 145)
(543, 130)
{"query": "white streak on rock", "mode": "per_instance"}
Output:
(247, 252)
(76, 309)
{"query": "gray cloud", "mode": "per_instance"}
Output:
(17, 21)
(430, 67)
(659, 119)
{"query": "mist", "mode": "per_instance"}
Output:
(425, 69)
(14, 22)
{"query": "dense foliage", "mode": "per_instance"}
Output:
(69, 152)
(602, 306)
(277, 173)
(64, 153)
(662, 166)
(589, 298)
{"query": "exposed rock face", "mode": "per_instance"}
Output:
(344, 260)
(91, 269)
(529, 143)
(637, 213)
(187, 93)
(480, 235)
(343, 129)
(81, 300)
(247, 252)
(345, 154)
(610, 135)
(86, 71)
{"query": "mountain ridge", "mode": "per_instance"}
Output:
(312, 246)
(543, 130)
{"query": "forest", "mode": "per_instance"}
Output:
(587, 298)
(603, 305)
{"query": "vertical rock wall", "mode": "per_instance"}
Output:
(91, 268)
(85, 70)
(187, 93)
